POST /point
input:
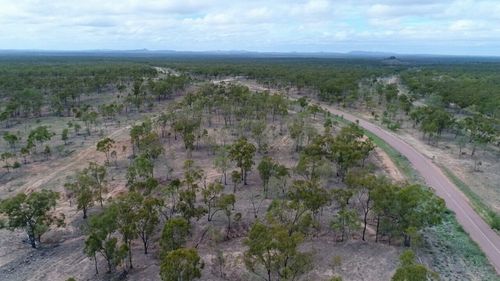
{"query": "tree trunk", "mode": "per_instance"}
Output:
(244, 175)
(407, 240)
(100, 196)
(130, 254)
(376, 232)
(32, 240)
(365, 222)
(109, 265)
(95, 265)
(209, 217)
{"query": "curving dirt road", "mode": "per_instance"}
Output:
(487, 239)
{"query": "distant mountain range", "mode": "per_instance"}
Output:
(228, 53)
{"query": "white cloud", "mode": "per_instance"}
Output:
(302, 25)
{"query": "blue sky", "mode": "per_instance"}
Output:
(458, 27)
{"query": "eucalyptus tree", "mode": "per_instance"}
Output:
(97, 174)
(101, 239)
(32, 212)
(222, 161)
(40, 134)
(273, 253)
(148, 218)
(174, 235)
(82, 190)
(105, 145)
(181, 265)
(365, 185)
(242, 152)
(11, 139)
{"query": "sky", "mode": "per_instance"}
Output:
(454, 27)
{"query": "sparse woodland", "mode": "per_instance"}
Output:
(217, 181)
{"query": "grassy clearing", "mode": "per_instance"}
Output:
(477, 203)
(454, 255)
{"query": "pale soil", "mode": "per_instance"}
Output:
(388, 165)
(437, 250)
(61, 255)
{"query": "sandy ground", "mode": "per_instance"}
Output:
(61, 255)
(418, 154)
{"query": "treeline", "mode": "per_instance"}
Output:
(473, 86)
(57, 75)
(335, 79)
(27, 86)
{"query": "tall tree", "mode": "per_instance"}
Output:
(32, 213)
(365, 184)
(273, 254)
(127, 208)
(348, 148)
(310, 194)
(266, 169)
(187, 205)
(235, 179)
(100, 239)
(242, 152)
(346, 219)
(39, 135)
(148, 218)
(98, 175)
(105, 145)
(211, 195)
(408, 209)
(222, 162)
(174, 235)
(140, 170)
(81, 190)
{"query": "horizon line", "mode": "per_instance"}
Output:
(358, 53)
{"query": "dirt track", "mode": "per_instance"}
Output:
(487, 239)
(89, 152)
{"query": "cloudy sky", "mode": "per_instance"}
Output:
(406, 26)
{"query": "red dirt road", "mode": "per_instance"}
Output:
(487, 239)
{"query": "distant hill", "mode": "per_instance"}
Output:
(371, 54)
